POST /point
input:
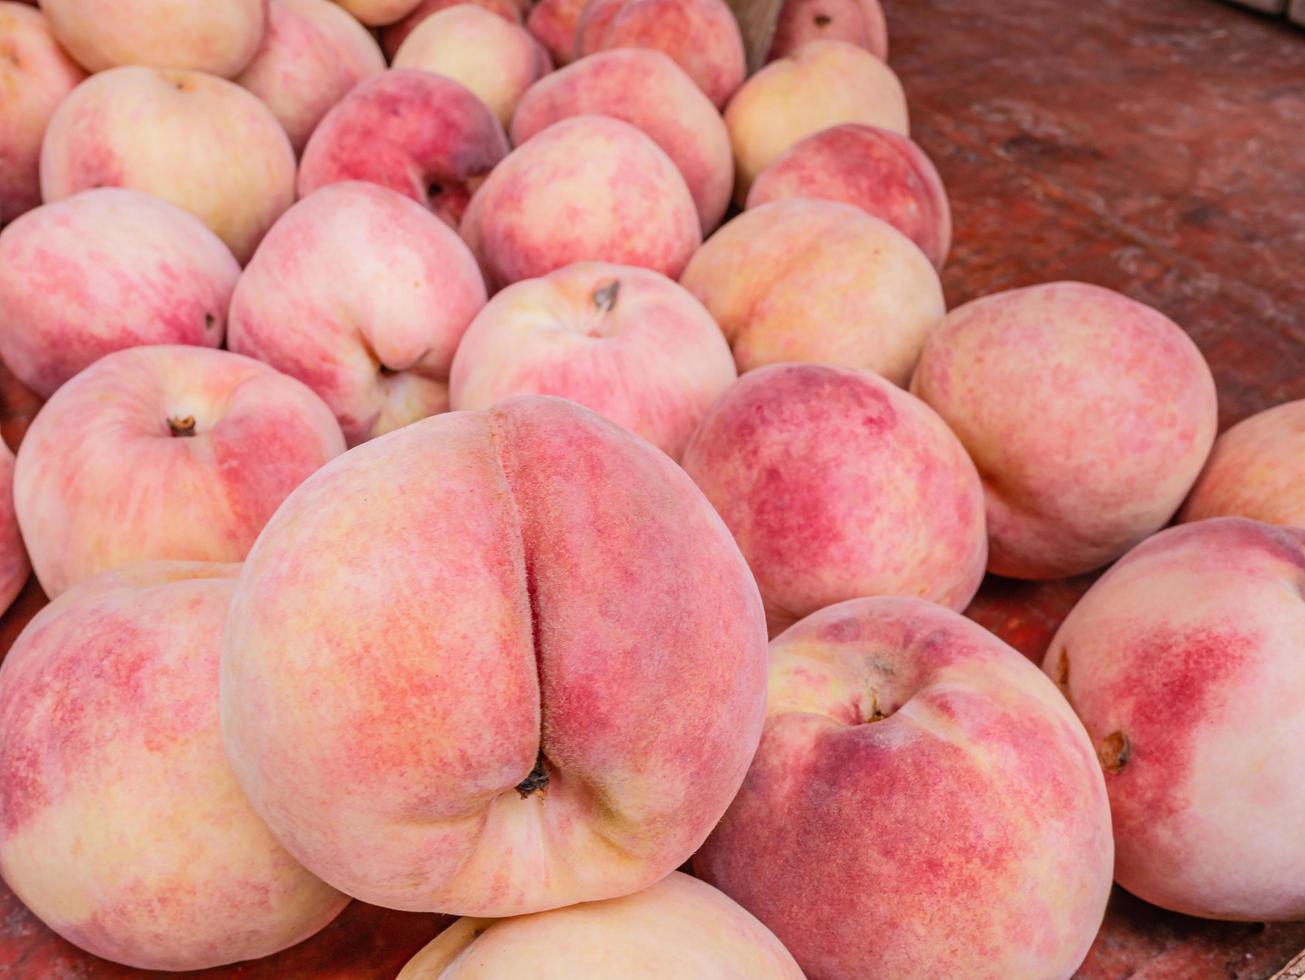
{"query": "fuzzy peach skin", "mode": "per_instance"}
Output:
(166, 452)
(860, 22)
(312, 56)
(378, 13)
(679, 927)
(1088, 414)
(1184, 662)
(415, 132)
(14, 566)
(1256, 470)
(701, 36)
(821, 84)
(199, 142)
(553, 24)
(497, 60)
(103, 270)
(123, 828)
(837, 484)
(393, 36)
(805, 280)
(627, 342)
(884, 174)
(35, 75)
(363, 296)
(923, 804)
(494, 663)
(588, 188)
(217, 36)
(649, 91)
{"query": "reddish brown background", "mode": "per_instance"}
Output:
(1153, 146)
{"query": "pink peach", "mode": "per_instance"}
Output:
(415, 132)
(923, 804)
(494, 663)
(14, 566)
(395, 34)
(103, 270)
(589, 188)
(553, 24)
(363, 296)
(860, 22)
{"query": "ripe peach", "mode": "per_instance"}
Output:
(1088, 414)
(103, 270)
(1257, 470)
(837, 484)
(497, 60)
(586, 188)
(553, 24)
(860, 22)
(885, 175)
(1184, 662)
(701, 36)
(628, 343)
(199, 142)
(415, 132)
(163, 453)
(35, 74)
(393, 35)
(678, 927)
(217, 36)
(494, 663)
(649, 91)
(801, 280)
(123, 828)
(923, 804)
(363, 296)
(378, 13)
(312, 55)
(14, 566)
(821, 84)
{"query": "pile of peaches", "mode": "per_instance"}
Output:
(441, 507)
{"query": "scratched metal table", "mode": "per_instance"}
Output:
(1153, 146)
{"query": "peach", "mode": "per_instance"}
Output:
(423, 135)
(586, 188)
(649, 91)
(701, 36)
(628, 343)
(494, 663)
(885, 175)
(14, 566)
(801, 280)
(103, 270)
(678, 927)
(821, 84)
(497, 60)
(166, 452)
(199, 142)
(1184, 662)
(553, 24)
(1256, 470)
(1088, 414)
(393, 35)
(860, 22)
(35, 75)
(923, 804)
(837, 485)
(378, 13)
(123, 828)
(217, 36)
(363, 296)
(312, 56)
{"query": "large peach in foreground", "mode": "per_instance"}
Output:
(199, 142)
(626, 342)
(1088, 414)
(923, 804)
(808, 280)
(589, 188)
(494, 663)
(163, 453)
(679, 927)
(103, 270)
(123, 828)
(1256, 470)
(1184, 662)
(836, 485)
(649, 91)
(393, 35)
(860, 22)
(14, 566)
(363, 296)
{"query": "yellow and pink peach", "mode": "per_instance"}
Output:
(393, 35)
